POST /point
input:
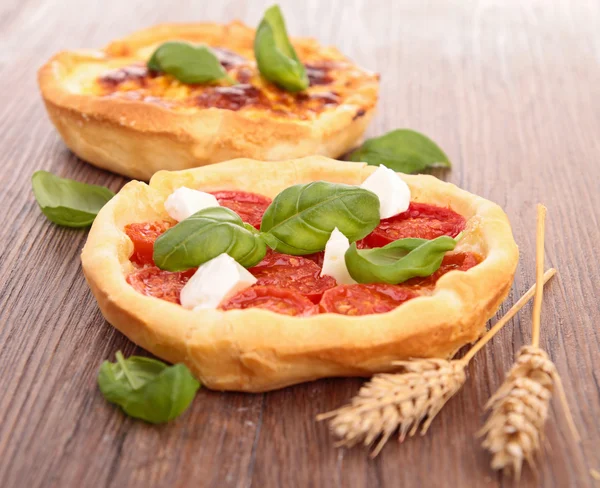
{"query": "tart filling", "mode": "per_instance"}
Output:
(332, 81)
(294, 285)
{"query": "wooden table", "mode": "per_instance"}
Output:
(511, 91)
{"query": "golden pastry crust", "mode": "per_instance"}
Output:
(136, 123)
(257, 350)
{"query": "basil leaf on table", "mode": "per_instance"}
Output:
(68, 202)
(402, 150)
(275, 56)
(146, 388)
(301, 218)
(205, 235)
(188, 63)
(399, 260)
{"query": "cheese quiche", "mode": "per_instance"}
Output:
(258, 275)
(116, 113)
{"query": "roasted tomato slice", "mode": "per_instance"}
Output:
(317, 257)
(364, 299)
(249, 206)
(420, 220)
(296, 273)
(143, 236)
(157, 283)
(461, 261)
(280, 300)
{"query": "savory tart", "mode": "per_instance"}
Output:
(115, 112)
(293, 311)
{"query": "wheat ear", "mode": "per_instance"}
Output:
(410, 398)
(519, 409)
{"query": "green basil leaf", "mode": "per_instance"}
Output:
(205, 235)
(275, 56)
(402, 150)
(399, 260)
(146, 388)
(188, 63)
(301, 218)
(68, 202)
(250, 227)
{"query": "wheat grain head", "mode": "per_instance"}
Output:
(514, 429)
(400, 401)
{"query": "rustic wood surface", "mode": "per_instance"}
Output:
(511, 91)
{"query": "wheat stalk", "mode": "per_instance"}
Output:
(408, 399)
(519, 409)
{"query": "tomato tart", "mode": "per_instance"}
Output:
(314, 301)
(115, 112)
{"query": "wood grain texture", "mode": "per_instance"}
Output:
(510, 90)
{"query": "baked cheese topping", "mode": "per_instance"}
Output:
(392, 191)
(333, 80)
(334, 263)
(215, 281)
(185, 202)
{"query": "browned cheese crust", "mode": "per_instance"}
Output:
(114, 113)
(257, 350)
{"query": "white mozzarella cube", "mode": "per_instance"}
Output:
(185, 202)
(215, 281)
(393, 192)
(334, 262)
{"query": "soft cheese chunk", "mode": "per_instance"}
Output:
(393, 192)
(215, 281)
(184, 202)
(334, 263)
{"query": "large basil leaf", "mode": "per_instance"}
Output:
(402, 150)
(188, 63)
(205, 235)
(275, 56)
(301, 218)
(399, 260)
(68, 202)
(146, 388)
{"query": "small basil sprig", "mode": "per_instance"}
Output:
(300, 219)
(398, 261)
(205, 235)
(188, 63)
(68, 202)
(402, 150)
(275, 56)
(147, 389)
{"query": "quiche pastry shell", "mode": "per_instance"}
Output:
(137, 138)
(257, 350)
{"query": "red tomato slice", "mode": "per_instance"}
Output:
(420, 220)
(279, 300)
(460, 261)
(157, 283)
(143, 236)
(317, 257)
(249, 206)
(364, 299)
(294, 273)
